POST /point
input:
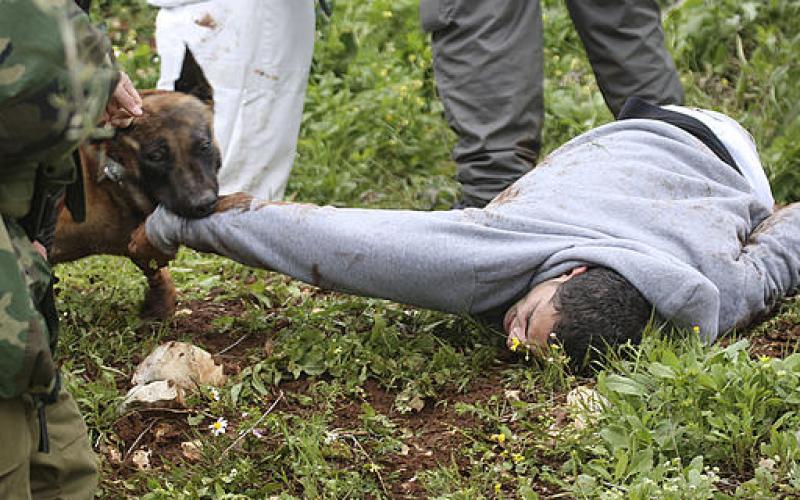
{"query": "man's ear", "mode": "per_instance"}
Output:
(193, 81)
(576, 271)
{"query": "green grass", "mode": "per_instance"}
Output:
(367, 387)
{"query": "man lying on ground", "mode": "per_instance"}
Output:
(666, 209)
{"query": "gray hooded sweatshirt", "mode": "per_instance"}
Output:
(641, 197)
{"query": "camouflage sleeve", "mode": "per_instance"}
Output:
(26, 364)
(55, 79)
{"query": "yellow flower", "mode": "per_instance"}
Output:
(500, 438)
(515, 343)
(696, 329)
(517, 458)
(387, 14)
(498, 488)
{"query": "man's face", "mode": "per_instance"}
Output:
(532, 318)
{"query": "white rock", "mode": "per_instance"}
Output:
(141, 459)
(158, 393)
(186, 365)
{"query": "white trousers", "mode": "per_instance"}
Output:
(256, 54)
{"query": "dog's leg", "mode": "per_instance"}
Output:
(160, 298)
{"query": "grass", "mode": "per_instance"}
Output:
(376, 399)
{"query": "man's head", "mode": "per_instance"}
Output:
(585, 310)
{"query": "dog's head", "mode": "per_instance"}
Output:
(169, 154)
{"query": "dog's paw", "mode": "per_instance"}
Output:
(161, 298)
(234, 201)
(144, 253)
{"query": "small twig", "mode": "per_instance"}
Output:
(142, 411)
(233, 345)
(375, 467)
(139, 438)
(242, 434)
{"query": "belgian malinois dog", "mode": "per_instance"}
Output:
(167, 156)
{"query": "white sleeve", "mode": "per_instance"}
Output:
(168, 4)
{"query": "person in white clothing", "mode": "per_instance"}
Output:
(256, 54)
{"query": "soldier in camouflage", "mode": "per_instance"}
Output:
(56, 78)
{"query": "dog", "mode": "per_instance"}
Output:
(167, 156)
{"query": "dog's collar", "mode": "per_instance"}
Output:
(112, 171)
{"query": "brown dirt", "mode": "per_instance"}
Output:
(779, 340)
(776, 343)
(232, 344)
(161, 430)
(434, 433)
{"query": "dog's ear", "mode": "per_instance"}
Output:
(193, 81)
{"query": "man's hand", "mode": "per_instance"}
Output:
(40, 249)
(165, 229)
(234, 201)
(124, 104)
(143, 251)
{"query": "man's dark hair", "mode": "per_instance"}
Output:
(597, 310)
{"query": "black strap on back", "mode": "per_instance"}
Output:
(637, 108)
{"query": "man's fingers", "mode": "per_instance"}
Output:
(141, 250)
(234, 201)
(126, 97)
(128, 102)
(40, 248)
(121, 119)
(132, 97)
(517, 331)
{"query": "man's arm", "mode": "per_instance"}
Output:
(428, 259)
(409, 257)
(768, 270)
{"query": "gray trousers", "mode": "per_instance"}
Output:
(488, 62)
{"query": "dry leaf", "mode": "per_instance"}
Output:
(416, 404)
(111, 453)
(191, 450)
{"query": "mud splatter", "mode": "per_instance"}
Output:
(207, 22)
(269, 76)
(506, 196)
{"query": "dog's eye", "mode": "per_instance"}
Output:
(156, 155)
(204, 146)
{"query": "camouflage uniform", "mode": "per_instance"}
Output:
(55, 78)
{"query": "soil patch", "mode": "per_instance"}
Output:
(158, 431)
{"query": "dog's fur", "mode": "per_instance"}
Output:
(168, 156)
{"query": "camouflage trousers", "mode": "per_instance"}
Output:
(68, 470)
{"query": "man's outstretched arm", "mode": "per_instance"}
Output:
(426, 259)
(768, 269)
